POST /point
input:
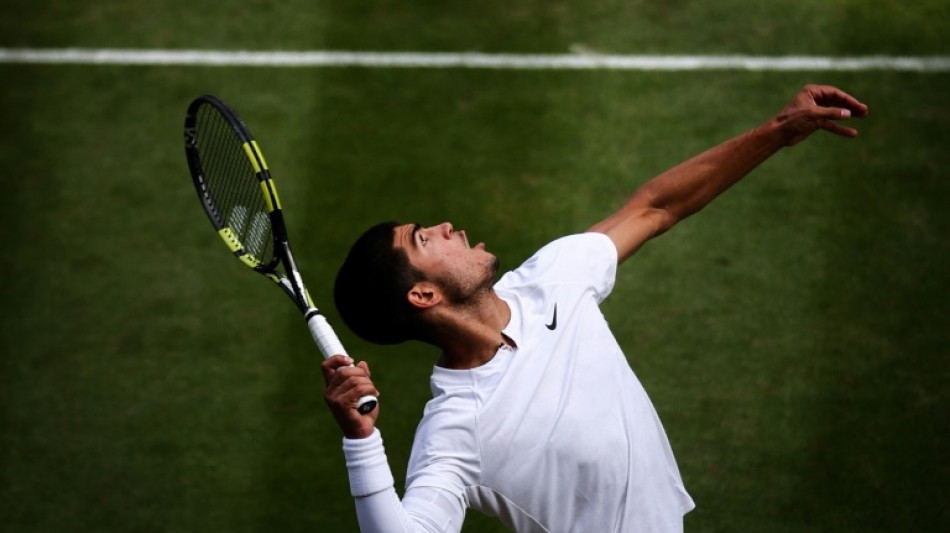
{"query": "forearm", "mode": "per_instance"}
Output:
(688, 187)
(679, 192)
(379, 509)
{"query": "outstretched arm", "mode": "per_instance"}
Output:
(686, 188)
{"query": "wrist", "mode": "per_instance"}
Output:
(359, 433)
(773, 132)
(367, 465)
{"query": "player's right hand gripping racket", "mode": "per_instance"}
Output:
(238, 194)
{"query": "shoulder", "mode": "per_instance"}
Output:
(579, 247)
(585, 258)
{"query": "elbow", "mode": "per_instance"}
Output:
(656, 211)
(660, 220)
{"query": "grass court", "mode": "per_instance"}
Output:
(793, 336)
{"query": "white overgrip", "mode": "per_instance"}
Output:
(330, 345)
(324, 336)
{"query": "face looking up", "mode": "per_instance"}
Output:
(445, 257)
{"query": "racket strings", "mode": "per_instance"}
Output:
(233, 184)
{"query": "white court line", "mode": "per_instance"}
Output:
(110, 56)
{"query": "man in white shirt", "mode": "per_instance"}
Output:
(536, 416)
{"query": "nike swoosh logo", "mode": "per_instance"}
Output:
(553, 325)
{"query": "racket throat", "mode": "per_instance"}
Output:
(300, 293)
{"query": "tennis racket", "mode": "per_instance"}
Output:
(238, 194)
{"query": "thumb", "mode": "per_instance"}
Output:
(832, 113)
(842, 113)
(830, 124)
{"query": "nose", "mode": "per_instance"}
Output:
(446, 229)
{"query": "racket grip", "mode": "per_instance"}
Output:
(330, 345)
(324, 336)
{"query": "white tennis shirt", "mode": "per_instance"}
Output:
(555, 434)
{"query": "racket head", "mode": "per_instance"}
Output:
(233, 183)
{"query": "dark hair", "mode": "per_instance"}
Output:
(371, 288)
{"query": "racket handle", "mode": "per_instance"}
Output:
(324, 335)
(330, 345)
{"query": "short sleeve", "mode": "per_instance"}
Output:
(587, 258)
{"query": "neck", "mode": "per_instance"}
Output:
(470, 335)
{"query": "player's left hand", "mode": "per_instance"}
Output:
(819, 107)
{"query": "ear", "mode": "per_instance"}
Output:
(424, 295)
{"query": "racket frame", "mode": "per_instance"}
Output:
(292, 282)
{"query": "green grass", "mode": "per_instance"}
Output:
(793, 336)
(607, 26)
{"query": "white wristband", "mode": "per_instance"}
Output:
(367, 465)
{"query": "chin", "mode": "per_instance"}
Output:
(493, 266)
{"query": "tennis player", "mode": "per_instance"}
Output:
(536, 415)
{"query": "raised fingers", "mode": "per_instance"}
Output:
(347, 384)
(834, 127)
(332, 364)
(829, 96)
